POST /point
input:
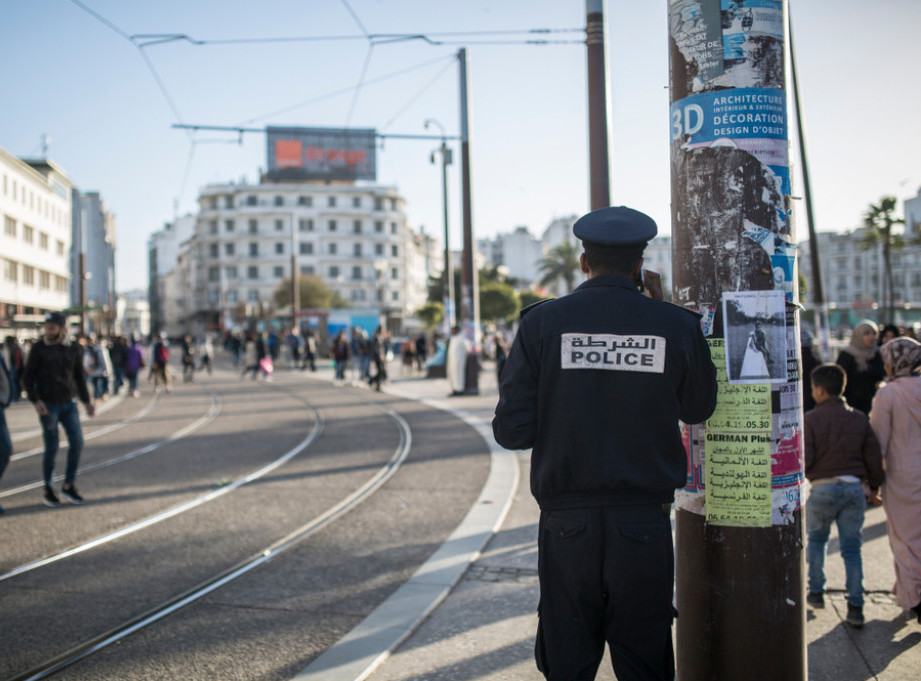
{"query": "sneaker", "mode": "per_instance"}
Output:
(51, 499)
(816, 600)
(854, 616)
(70, 495)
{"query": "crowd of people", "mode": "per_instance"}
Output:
(862, 433)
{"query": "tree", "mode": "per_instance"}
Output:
(561, 262)
(431, 314)
(878, 222)
(498, 301)
(314, 294)
(526, 298)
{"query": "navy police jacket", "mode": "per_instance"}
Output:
(595, 383)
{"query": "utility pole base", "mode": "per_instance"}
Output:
(741, 601)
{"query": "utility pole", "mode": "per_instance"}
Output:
(817, 285)
(739, 521)
(295, 288)
(470, 293)
(448, 294)
(599, 181)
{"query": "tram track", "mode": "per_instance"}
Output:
(171, 605)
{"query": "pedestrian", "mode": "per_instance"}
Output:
(340, 352)
(421, 351)
(97, 365)
(456, 361)
(310, 350)
(134, 362)
(809, 362)
(378, 358)
(159, 364)
(53, 378)
(896, 419)
(118, 353)
(6, 396)
(501, 353)
(841, 454)
(595, 384)
(863, 365)
(888, 333)
(188, 359)
(15, 362)
(206, 353)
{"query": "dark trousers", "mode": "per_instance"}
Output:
(68, 416)
(606, 575)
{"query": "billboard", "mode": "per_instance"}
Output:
(308, 154)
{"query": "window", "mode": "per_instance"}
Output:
(28, 234)
(44, 280)
(332, 225)
(9, 226)
(393, 204)
(214, 274)
(378, 203)
(357, 250)
(305, 225)
(252, 295)
(378, 226)
(279, 200)
(331, 201)
(253, 248)
(212, 250)
(305, 201)
(393, 228)
(395, 296)
(332, 248)
(279, 248)
(356, 226)
(10, 270)
(60, 284)
(378, 249)
(394, 273)
(333, 272)
(232, 295)
(356, 272)
(306, 248)
(252, 272)
(358, 294)
(43, 241)
(59, 245)
(307, 269)
(213, 203)
(253, 226)
(251, 200)
(229, 248)
(279, 225)
(230, 271)
(394, 251)
(356, 202)
(28, 275)
(228, 202)
(228, 225)
(278, 272)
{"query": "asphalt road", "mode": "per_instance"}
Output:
(225, 474)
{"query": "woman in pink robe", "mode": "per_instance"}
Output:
(896, 420)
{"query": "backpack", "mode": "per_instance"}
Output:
(161, 354)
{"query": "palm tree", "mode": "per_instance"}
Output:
(878, 222)
(561, 262)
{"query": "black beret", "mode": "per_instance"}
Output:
(615, 226)
(55, 318)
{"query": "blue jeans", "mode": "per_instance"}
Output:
(843, 503)
(68, 416)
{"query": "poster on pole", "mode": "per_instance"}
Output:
(756, 336)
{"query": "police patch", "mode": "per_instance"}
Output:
(612, 353)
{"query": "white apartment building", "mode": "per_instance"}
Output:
(162, 258)
(35, 206)
(352, 236)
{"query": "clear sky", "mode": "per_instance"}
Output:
(69, 74)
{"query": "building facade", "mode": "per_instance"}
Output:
(35, 207)
(93, 237)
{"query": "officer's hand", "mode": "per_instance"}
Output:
(41, 408)
(652, 282)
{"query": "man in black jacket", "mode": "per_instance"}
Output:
(53, 377)
(595, 383)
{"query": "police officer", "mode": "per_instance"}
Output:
(595, 383)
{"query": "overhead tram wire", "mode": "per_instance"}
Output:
(416, 96)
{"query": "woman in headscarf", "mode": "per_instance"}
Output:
(896, 420)
(863, 365)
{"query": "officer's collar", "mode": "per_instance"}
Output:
(618, 280)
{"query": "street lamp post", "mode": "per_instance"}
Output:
(448, 274)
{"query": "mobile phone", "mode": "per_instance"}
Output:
(652, 285)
